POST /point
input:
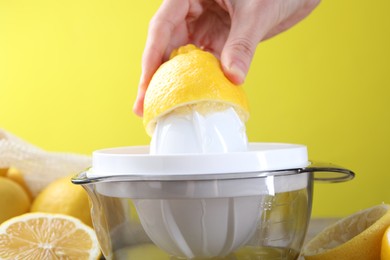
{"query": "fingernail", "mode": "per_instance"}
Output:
(138, 110)
(237, 74)
(138, 105)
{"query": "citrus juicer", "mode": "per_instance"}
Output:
(199, 206)
(201, 191)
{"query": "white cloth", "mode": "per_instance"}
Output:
(39, 167)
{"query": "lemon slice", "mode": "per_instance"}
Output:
(191, 77)
(47, 236)
(358, 236)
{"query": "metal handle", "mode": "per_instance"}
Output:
(327, 172)
(81, 178)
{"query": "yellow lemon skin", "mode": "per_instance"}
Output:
(14, 200)
(15, 175)
(64, 197)
(348, 243)
(385, 250)
(191, 76)
(3, 172)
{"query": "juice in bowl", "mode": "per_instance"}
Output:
(200, 190)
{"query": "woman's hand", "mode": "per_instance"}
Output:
(230, 29)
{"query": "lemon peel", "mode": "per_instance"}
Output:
(191, 77)
(358, 236)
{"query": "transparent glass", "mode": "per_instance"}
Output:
(185, 222)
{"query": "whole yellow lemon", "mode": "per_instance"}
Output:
(14, 200)
(16, 176)
(64, 197)
(385, 249)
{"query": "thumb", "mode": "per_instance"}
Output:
(236, 57)
(237, 53)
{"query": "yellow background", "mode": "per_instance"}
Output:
(69, 72)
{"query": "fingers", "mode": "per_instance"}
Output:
(165, 22)
(249, 24)
(254, 21)
(307, 7)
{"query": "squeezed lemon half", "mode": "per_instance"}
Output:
(191, 77)
(358, 236)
